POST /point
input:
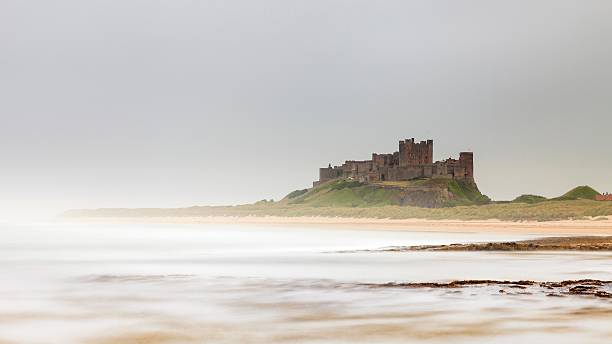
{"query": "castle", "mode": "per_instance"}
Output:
(413, 160)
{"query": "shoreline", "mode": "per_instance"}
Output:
(590, 243)
(564, 227)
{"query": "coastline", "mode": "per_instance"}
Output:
(563, 227)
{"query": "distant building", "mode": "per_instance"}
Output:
(412, 161)
(605, 197)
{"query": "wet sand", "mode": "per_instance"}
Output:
(325, 311)
(223, 283)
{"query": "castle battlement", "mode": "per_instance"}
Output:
(413, 160)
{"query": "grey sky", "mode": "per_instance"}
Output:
(175, 103)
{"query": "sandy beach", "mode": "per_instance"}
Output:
(566, 227)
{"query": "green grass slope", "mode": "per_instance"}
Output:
(580, 192)
(345, 193)
(529, 199)
(465, 193)
(430, 193)
(296, 193)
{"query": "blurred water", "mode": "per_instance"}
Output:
(73, 283)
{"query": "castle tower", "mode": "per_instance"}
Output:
(405, 150)
(411, 153)
(466, 160)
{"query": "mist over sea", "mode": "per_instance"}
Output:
(102, 283)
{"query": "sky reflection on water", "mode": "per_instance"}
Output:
(221, 283)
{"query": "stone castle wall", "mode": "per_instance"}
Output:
(411, 161)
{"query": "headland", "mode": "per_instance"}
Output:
(405, 188)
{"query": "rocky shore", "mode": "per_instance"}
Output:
(585, 287)
(574, 243)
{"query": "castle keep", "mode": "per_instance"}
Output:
(413, 160)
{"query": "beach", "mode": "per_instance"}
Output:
(601, 226)
(287, 280)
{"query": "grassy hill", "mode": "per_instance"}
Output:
(429, 193)
(344, 193)
(580, 192)
(530, 199)
(577, 193)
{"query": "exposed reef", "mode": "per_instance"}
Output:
(585, 287)
(580, 243)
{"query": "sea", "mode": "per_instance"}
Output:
(224, 283)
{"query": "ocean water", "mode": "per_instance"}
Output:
(102, 283)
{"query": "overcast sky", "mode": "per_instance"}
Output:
(141, 103)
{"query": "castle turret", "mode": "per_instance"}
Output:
(466, 160)
(411, 153)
